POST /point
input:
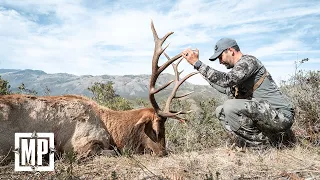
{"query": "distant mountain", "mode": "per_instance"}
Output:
(128, 86)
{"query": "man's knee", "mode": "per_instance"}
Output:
(231, 110)
(231, 106)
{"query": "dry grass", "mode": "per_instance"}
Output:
(219, 163)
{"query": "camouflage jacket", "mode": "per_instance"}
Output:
(245, 73)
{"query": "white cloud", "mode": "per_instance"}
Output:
(283, 45)
(103, 37)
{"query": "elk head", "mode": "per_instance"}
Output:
(156, 129)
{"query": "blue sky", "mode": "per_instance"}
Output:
(114, 37)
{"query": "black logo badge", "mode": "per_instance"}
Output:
(216, 48)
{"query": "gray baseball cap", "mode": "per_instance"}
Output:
(222, 45)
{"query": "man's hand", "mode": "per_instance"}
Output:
(192, 56)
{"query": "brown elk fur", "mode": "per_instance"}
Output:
(79, 124)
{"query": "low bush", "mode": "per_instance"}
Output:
(303, 90)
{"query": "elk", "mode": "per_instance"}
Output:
(81, 125)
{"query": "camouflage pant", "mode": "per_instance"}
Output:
(254, 122)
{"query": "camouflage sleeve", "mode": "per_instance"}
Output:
(242, 70)
(223, 90)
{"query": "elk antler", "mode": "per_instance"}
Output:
(156, 71)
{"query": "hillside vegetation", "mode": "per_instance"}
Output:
(199, 148)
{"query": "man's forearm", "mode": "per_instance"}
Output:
(219, 88)
(211, 75)
(224, 90)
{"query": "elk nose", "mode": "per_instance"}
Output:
(162, 153)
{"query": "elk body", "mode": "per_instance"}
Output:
(82, 126)
(79, 124)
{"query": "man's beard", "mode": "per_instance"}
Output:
(228, 66)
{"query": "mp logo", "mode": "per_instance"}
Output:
(30, 149)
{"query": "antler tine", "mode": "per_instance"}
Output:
(175, 68)
(157, 50)
(156, 70)
(156, 37)
(182, 112)
(177, 85)
(181, 96)
(163, 87)
(166, 64)
(179, 61)
(186, 77)
(174, 91)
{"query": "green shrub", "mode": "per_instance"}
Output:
(105, 95)
(201, 131)
(303, 89)
(24, 90)
(4, 87)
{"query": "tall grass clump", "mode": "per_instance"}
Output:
(303, 90)
(200, 131)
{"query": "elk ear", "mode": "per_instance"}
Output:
(147, 123)
(142, 121)
(150, 132)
